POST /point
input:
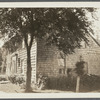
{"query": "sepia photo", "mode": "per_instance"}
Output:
(49, 49)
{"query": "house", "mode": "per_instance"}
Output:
(49, 61)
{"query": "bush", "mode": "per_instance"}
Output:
(61, 83)
(12, 78)
(58, 83)
(41, 82)
(16, 79)
(89, 83)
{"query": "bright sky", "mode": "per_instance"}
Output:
(96, 26)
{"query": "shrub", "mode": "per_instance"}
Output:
(20, 79)
(17, 79)
(12, 78)
(61, 83)
(80, 68)
(89, 83)
(41, 82)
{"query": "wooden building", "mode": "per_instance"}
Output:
(49, 61)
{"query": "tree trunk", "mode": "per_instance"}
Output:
(28, 80)
(78, 84)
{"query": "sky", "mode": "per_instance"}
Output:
(96, 25)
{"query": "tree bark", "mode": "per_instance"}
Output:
(78, 84)
(28, 77)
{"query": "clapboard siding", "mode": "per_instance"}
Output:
(22, 55)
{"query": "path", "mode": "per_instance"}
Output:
(10, 88)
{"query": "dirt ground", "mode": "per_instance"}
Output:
(10, 88)
(13, 88)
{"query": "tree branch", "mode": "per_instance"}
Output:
(32, 34)
(24, 34)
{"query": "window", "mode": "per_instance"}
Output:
(22, 66)
(18, 62)
(60, 59)
(61, 71)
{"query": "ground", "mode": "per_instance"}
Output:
(8, 87)
(13, 88)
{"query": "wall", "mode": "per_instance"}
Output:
(92, 57)
(22, 54)
(90, 54)
(48, 60)
(21, 61)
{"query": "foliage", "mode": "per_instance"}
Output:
(62, 27)
(89, 83)
(61, 83)
(13, 44)
(16, 79)
(80, 67)
(41, 82)
(70, 27)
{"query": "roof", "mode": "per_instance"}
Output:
(95, 40)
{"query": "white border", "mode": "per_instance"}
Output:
(49, 5)
(49, 95)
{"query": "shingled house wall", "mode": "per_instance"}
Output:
(90, 54)
(92, 57)
(47, 63)
(48, 60)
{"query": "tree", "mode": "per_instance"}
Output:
(70, 27)
(63, 27)
(19, 24)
